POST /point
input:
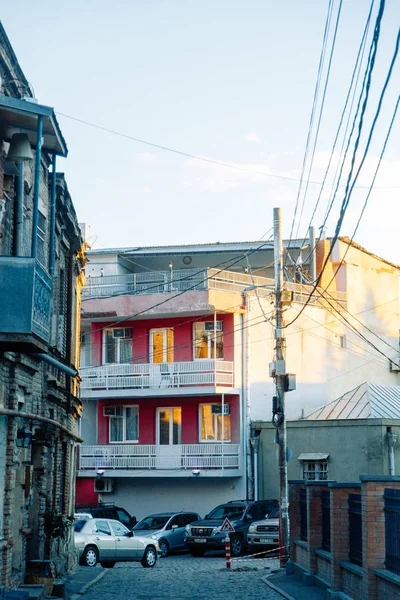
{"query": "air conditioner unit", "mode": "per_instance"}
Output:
(103, 485)
(209, 325)
(395, 366)
(109, 411)
(122, 333)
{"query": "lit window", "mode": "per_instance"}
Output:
(205, 340)
(124, 424)
(117, 345)
(315, 470)
(212, 421)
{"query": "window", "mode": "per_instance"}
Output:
(119, 529)
(189, 518)
(315, 470)
(41, 239)
(175, 521)
(117, 345)
(124, 517)
(205, 340)
(211, 424)
(103, 527)
(124, 426)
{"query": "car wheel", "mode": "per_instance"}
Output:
(164, 548)
(149, 557)
(236, 545)
(90, 556)
(108, 564)
(197, 552)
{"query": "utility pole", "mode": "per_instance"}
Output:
(279, 414)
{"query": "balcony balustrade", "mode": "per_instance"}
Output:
(157, 376)
(25, 289)
(183, 280)
(215, 456)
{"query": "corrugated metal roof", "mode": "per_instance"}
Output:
(367, 401)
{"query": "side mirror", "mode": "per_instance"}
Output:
(249, 517)
(174, 527)
(130, 534)
(207, 517)
(133, 521)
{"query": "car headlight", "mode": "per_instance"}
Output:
(187, 527)
(252, 528)
(154, 537)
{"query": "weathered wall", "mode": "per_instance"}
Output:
(355, 447)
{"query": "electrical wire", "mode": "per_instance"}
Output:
(313, 110)
(350, 187)
(320, 113)
(354, 79)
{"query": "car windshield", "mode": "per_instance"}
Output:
(79, 525)
(273, 514)
(227, 512)
(153, 522)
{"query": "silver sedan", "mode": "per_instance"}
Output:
(107, 541)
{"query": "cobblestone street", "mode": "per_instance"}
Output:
(184, 577)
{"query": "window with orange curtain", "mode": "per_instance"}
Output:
(211, 425)
(205, 341)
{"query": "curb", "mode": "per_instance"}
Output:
(265, 579)
(88, 585)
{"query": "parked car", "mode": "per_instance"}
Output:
(167, 528)
(108, 511)
(107, 541)
(82, 515)
(264, 534)
(206, 534)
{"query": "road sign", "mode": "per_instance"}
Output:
(227, 526)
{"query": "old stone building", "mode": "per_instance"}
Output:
(41, 267)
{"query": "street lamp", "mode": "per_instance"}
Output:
(170, 265)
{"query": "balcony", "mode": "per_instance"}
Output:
(195, 280)
(25, 289)
(156, 379)
(128, 460)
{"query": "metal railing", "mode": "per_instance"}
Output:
(303, 515)
(355, 529)
(326, 520)
(181, 280)
(157, 376)
(392, 530)
(176, 457)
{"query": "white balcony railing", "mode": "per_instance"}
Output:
(182, 280)
(158, 376)
(177, 457)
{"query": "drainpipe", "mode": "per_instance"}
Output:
(255, 443)
(313, 261)
(56, 363)
(52, 217)
(249, 465)
(36, 189)
(391, 439)
(19, 211)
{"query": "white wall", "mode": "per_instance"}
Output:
(143, 496)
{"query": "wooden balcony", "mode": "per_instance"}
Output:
(125, 460)
(152, 379)
(25, 289)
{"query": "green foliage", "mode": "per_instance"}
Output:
(56, 524)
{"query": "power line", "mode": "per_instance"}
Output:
(357, 69)
(313, 109)
(320, 113)
(196, 157)
(349, 188)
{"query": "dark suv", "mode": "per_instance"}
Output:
(108, 511)
(206, 534)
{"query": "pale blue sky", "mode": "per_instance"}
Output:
(226, 79)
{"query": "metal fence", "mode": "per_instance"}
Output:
(392, 530)
(355, 529)
(326, 520)
(303, 515)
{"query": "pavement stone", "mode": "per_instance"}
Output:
(183, 577)
(78, 582)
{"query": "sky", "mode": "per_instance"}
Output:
(228, 80)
